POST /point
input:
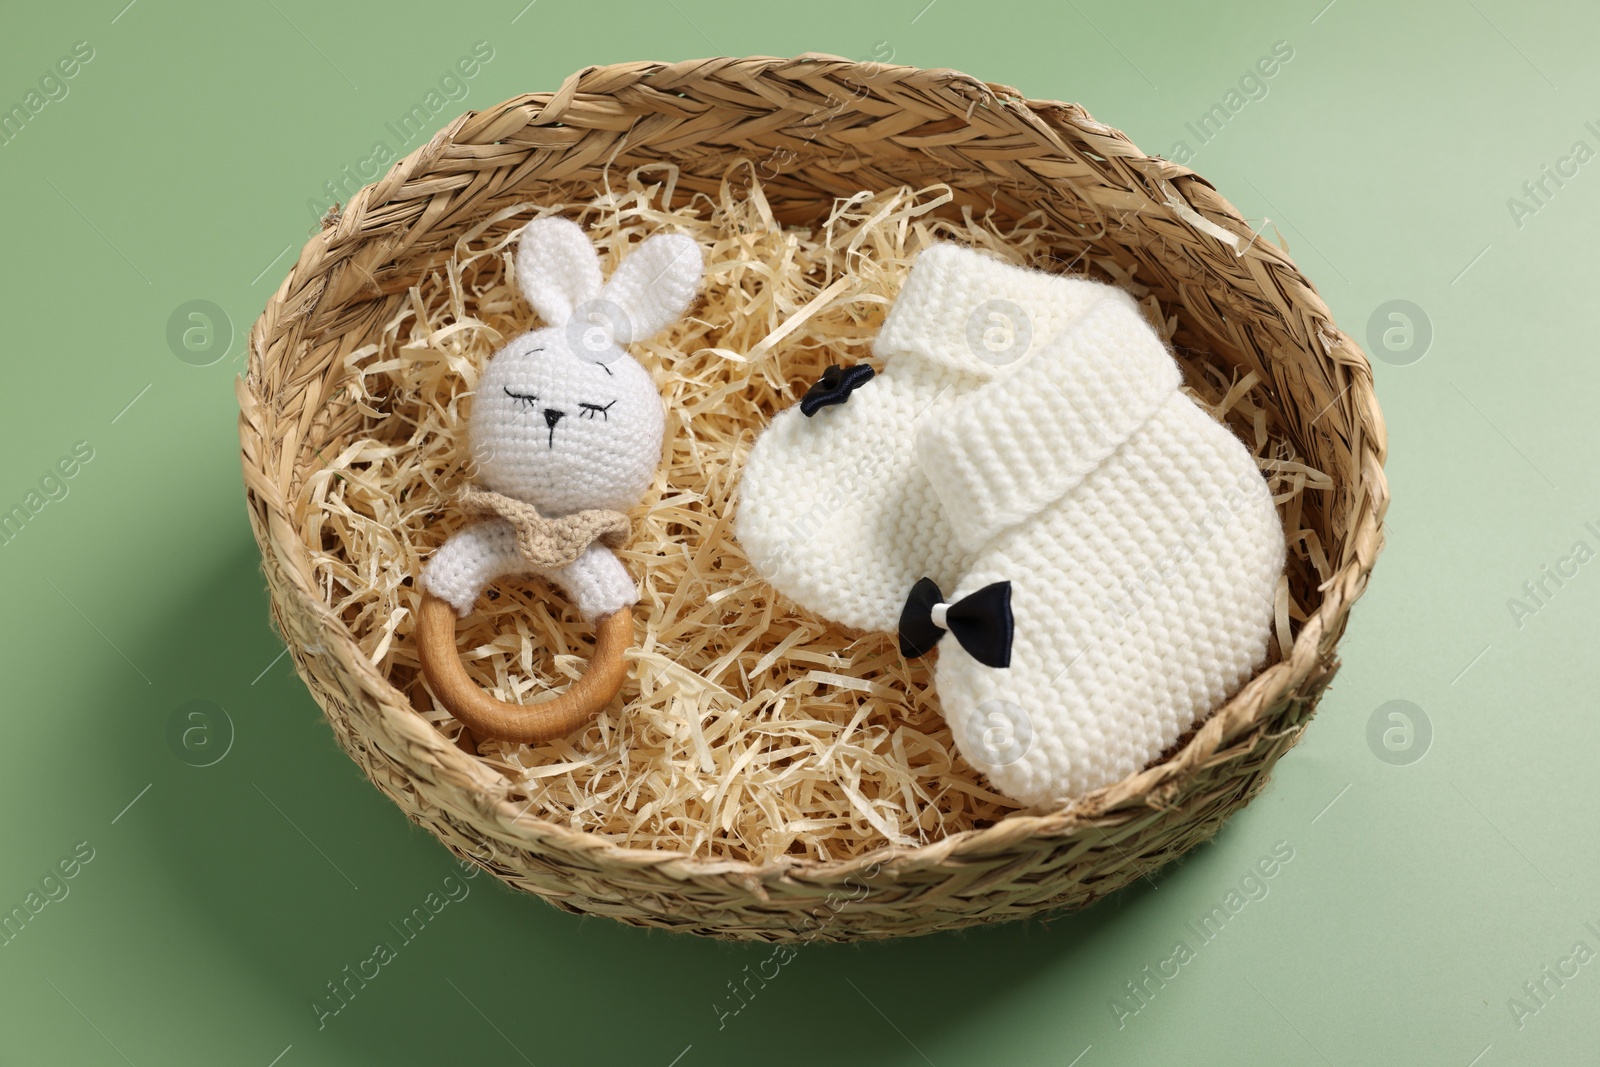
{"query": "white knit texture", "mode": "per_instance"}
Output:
(1142, 593)
(1140, 540)
(563, 418)
(834, 510)
(1029, 436)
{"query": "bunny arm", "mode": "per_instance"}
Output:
(596, 581)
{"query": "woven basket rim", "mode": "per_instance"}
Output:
(1309, 657)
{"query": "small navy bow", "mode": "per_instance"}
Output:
(834, 387)
(981, 621)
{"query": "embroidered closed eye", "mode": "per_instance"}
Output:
(590, 409)
(526, 399)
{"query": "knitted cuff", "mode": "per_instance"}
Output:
(971, 312)
(1025, 439)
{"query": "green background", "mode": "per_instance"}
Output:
(185, 163)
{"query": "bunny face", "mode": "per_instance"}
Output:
(565, 432)
(564, 419)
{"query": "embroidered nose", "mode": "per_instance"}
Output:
(551, 417)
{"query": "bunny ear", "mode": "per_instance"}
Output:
(557, 268)
(654, 285)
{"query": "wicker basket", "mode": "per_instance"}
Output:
(1236, 297)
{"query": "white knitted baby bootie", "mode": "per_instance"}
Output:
(834, 510)
(1141, 547)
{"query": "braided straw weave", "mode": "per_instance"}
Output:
(1237, 298)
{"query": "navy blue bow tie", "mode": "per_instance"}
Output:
(834, 387)
(981, 621)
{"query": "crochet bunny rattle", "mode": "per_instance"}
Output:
(566, 428)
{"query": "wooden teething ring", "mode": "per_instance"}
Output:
(526, 724)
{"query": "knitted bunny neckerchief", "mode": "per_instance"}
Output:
(548, 544)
